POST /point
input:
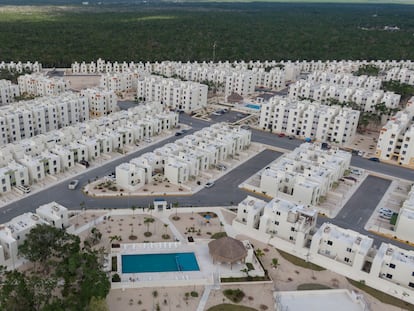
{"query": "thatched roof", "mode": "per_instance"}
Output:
(234, 98)
(227, 250)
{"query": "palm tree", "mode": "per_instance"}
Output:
(259, 253)
(148, 221)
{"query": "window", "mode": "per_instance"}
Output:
(346, 259)
(389, 276)
(392, 266)
(292, 229)
(411, 284)
(276, 223)
(277, 213)
(349, 249)
(329, 242)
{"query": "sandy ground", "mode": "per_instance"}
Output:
(285, 277)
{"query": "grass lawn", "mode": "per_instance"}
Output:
(300, 262)
(312, 286)
(383, 297)
(230, 307)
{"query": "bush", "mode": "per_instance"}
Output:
(218, 235)
(147, 234)
(235, 295)
(194, 294)
(165, 236)
(116, 278)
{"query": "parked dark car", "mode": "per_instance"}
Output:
(374, 159)
(84, 163)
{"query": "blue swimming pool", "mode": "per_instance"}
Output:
(159, 263)
(253, 106)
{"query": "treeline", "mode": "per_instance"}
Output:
(187, 32)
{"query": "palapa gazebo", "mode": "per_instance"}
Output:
(227, 250)
(234, 98)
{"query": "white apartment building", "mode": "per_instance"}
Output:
(402, 75)
(305, 119)
(101, 102)
(120, 82)
(395, 139)
(366, 98)
(54, 214)
(40, 85)
(305, 174)
(27, 119)
(13, 234)
(130, 176)
(36, 167)
(342, 245)
(13, 174)
(182, 95)
(395, 265)
(289, 221)
(250, 210)
(8, 92)
(404, 226)
(20, 67)
(186, 158)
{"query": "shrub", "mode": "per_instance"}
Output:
(116, 278)
(147, 234)
(235, 295)
(194, 294)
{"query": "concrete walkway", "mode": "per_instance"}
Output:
(204, 298)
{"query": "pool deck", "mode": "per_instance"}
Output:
(209, 273)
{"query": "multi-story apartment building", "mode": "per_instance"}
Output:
(395, 265)
(396, 136)
(405, 220)
(101, 102)
(305, 174)
(403, 75)
(27, 119)
(40, 85)
(120, 82)
(20, 67)
(54, 214)
(345, 246)
(311, 120)
(185, 158)
(8, 92)
(175, 94)
(13, 174)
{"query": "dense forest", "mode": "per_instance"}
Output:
(57, 35)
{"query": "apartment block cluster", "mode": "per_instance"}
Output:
(13, 233)
(304, 175)
(361, 90)
(396, 137)
(185, 96)
(125, 81)
(292, 227)
(31, 160)
(309, 120)
(21, 67)
(39, 85)
(402, 75)
(185, 159)
(27, 119)
(240, 78)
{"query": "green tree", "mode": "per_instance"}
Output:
(45, 243)
(98, 304)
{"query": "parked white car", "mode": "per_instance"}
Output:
(73, 184)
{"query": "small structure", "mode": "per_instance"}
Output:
(227, 250)
(235, 98)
